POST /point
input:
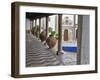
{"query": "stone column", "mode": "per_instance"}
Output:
(35, 26)
(47, 26)
(39, 25)
(79, 38)
(85, 41)
(73, 29)
(32, 23)
(56, 23)
(59, 32)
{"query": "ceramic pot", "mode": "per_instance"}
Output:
(51, 41)
(43, 36)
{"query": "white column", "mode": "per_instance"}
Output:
(56, 23)
(73, 30)
(85, 48)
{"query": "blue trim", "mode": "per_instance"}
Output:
(69, 49)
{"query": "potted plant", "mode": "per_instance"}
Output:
(51, 41)
(43, 36)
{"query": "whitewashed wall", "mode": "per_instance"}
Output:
(85, 41)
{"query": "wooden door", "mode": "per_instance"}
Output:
(65, 35)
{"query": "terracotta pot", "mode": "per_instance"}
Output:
(43, 36)
(51, 41)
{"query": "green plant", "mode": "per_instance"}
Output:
(56, 34)
(53, 33)
(50, 29)
(27, 31)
